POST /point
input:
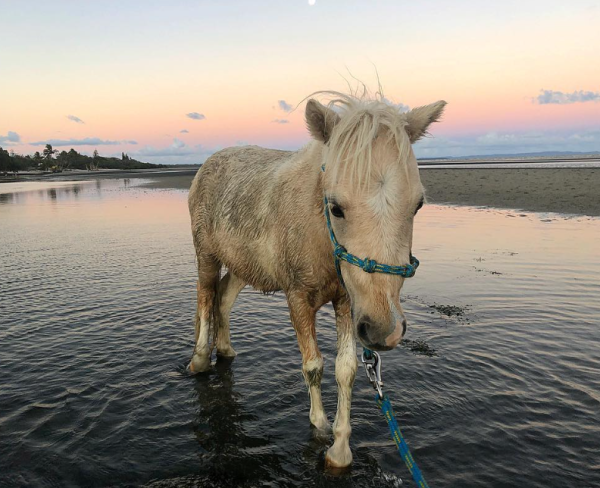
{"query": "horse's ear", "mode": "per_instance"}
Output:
(320, 120)
(420, 118)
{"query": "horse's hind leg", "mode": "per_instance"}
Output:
(230, 287)
(208, 279)
(303, 319)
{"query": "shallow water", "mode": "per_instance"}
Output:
(497, 385)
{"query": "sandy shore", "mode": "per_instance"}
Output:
(562, 190)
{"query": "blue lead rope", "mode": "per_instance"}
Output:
(386, 408)
(372, 363)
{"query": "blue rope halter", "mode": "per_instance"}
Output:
(370, 358)
(368, 265)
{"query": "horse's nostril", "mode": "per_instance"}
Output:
(404, 326)
(363, 329)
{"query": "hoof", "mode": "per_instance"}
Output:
(199, 364)
(226, 352)
(338, 460)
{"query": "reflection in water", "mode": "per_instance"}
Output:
(231, 456)
(56, 191)
(6, 198)
(38, 192)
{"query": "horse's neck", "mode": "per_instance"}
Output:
(302, 178)
(301, 224)
(308, 171)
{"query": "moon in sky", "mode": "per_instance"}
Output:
(312, 2)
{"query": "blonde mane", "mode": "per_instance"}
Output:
(362, 119)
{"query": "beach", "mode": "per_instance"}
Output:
(561, 190)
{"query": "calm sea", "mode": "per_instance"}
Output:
(497, 384)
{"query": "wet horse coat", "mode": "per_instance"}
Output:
(260, 213)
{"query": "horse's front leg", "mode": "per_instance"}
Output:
(339, 454)
(303, 317)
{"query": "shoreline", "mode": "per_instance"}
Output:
(78, 175)
(564, 190)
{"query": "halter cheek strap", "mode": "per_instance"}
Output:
(368, 265)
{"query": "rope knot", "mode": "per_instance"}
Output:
(369, 265)
(338, 250)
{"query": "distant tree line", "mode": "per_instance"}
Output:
(52, 160)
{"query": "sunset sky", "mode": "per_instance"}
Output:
(174, 81)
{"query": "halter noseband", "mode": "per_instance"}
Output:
(368, 265)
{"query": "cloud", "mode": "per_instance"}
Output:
(283, 105)
(86, 141)
(281, 121)
(10, 138)
(75, 119)
(492, 143)
(400, 106)
(557, 97)
(195, 116)
(177, 148)
(177, 153)
(184, 131)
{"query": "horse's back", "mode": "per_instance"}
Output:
(231, 202)
(237, 167)
(235, 176)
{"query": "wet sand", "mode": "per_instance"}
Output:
(561, 190)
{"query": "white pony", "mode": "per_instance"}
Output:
(260, 213)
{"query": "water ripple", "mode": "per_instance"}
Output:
(96, 326)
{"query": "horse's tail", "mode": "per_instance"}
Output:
(214, 318)
(198, 319)
(215, 315)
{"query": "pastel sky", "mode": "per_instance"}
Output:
(174, 81)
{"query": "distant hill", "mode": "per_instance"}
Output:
(540, 154)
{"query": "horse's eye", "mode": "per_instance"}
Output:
(337, 211)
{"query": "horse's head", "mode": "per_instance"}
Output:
(373, 190)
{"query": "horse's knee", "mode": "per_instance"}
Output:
(312, 370)
(345, 370)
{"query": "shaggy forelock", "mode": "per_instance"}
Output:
(349, 151)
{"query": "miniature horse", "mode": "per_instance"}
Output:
(260, 213)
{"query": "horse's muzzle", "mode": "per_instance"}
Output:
(376, 337)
